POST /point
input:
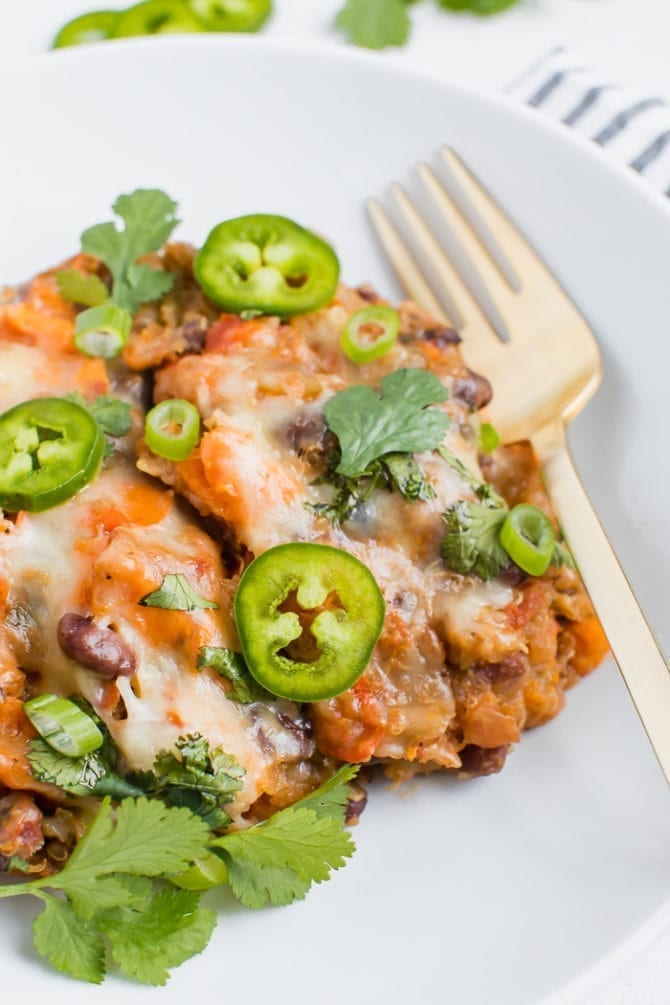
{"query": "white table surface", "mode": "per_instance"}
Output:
(626, 40)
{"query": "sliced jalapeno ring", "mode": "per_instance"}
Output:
(63, 725)
(266, 263)
(102, 331)
(370, 332)
(308, 617)
(232, 15)
(49, 449)
(157, 17)
(172, 428)
(96, 26)
(528, 538)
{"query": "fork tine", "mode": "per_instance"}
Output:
(493, 227)
(478, 270)
(457, 299)
(413, 282)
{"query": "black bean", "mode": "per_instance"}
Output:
(482, 760)
(96, 648)
(473, 390)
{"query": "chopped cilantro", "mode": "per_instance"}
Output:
(233, 667)
(202, 780)
(176, 594)
(400, 421)
(472, 542)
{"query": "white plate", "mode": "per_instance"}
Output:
(509, 889)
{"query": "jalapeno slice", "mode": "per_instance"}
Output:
(93, 27)
(528, 538)
(157, 17)
(266, 263)
(370, 332)
(232, 15)
(49, 449)
(308, 617)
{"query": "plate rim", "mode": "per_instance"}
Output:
(632, 947)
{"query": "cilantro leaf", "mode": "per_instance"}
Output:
(331, 798)
(277, 861)
(368, 427)
(108, 882)
(147, 839)
(81, 288)
(483, 490)
(149, 219)
(374, 24)
(112, 414)
(233, 667)
(472, 542)
(67, 944)
(201, 780)
(147, 943)
(176, 594)
(483, 8)
(90, 775)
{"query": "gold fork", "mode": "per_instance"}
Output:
(522, 331)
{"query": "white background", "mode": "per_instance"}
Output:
(626, 40)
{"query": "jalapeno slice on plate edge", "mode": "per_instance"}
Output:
(232, 15)
(157, 17)
(49, 449)
(266, 263)
(96, 26)
(349, 620)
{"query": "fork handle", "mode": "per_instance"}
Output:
(633, 645)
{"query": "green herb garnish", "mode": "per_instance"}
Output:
(176, 594)
(400, 421)
(200, 779)
(107, 902)
(277, 861)
(233, 667)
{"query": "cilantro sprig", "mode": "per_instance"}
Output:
(110, 901)
(377, 437)
(369, 426)
(148, 218)
(277, 861)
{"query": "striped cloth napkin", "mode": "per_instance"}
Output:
(631, 124)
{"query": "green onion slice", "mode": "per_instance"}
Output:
(102, 331)
(370, 332)
(172, 429)
(205, 873)
(63, 725)
(528, 538)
